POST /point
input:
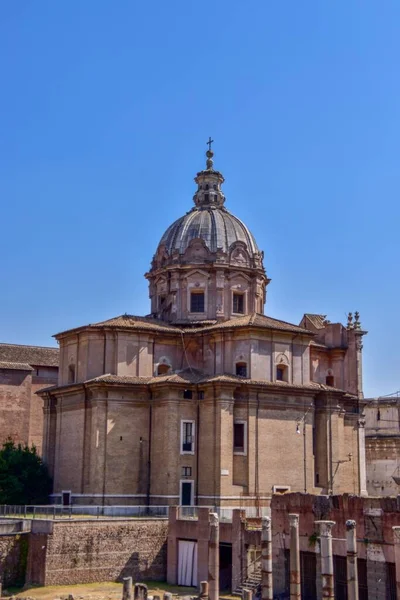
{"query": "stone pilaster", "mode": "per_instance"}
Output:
(362, 468)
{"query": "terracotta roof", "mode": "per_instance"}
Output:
(108, 378)
(15, 366)
(30, 355)
(317, 320)
(151, 324)
(128, 322)
(258, 320)
(196, 378)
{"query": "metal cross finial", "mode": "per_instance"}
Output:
(210, 141)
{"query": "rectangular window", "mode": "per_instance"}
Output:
(187, 394)
(187, 437)
(280, 374)
(241, 369)
(186, 471)
(197, 302)
(238, 303)
(240, 437)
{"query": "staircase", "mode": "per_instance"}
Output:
(252, 582)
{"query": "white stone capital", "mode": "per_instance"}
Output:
(266, 522)
(293, 520)
(396, 534)
(350, 524)
(325, 528)
(214, 521)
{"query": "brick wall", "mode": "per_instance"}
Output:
(15, 397)
(90, 551)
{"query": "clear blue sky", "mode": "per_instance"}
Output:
(105, 110)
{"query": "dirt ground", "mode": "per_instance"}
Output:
(93, 591)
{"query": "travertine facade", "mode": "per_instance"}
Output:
(24, 370)
(206, 400)
(382, 444)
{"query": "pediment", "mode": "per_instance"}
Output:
(197, 251)
(239, 278)
(238, 254)
(197, 273)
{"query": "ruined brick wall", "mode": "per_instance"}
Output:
(91, 551)
(374, 517)
(21, 409)
(13, 556)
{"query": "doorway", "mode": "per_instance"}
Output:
(66, 498)
(186, 498)
(225, 567)
(187, 563)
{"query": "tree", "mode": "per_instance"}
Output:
(24, 478)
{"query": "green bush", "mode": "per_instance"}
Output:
(24, 478)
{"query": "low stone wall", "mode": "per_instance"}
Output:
(63, 553)
(13, 558)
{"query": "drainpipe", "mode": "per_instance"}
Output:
(149, 450)
(197, 445)
(84, 445)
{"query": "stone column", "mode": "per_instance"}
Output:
(396, 539)
(213, 558)
(247, 594)
(127, 590)
(325, 534)
(295, 581)
(266, 560)
(352, 573)
(203, 590)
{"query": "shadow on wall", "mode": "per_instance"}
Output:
(141, 568)
(13, 559)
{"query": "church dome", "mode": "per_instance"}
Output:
(207, 264)
(209, 220)
(216, 226)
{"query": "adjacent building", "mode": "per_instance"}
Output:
(24, 370)
(382, 445)
(207, 400)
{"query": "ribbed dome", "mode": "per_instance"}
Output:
(215, 225)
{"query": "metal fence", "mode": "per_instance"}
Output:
(225, 514)
(76, 511)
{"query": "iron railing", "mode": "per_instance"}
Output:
(76, 511)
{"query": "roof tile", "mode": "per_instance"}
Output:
(32, 355)
(15, 366)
